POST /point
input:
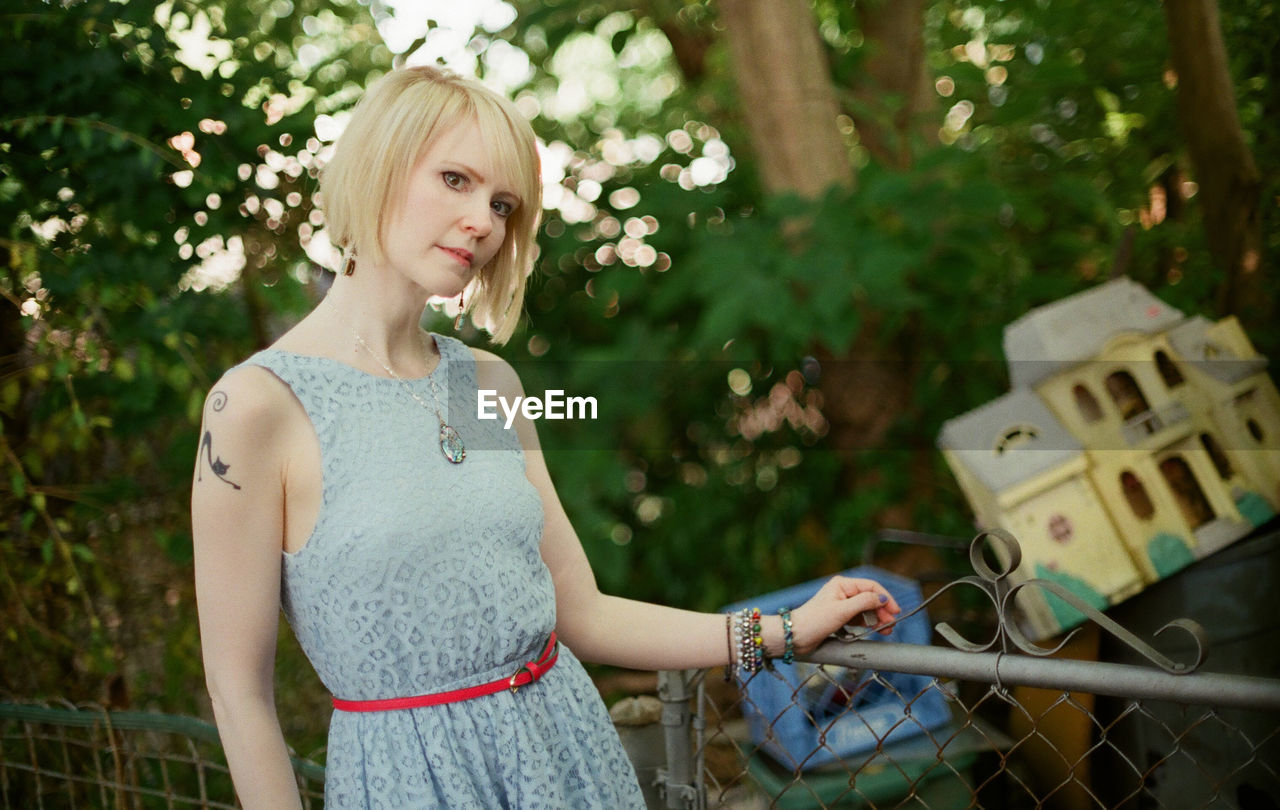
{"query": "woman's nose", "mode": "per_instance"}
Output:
(476, 219)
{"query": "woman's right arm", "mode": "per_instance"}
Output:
(237, 522)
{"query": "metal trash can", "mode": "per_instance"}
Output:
(1233, 595)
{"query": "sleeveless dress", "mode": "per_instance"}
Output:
(425, 576)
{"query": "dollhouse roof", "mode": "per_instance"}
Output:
(1009, 440)
(1057, 336)
(1190, 339)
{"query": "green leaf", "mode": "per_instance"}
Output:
(1107, 99)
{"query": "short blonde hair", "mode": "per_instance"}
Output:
(399, 117)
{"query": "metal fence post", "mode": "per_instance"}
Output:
(680, 783)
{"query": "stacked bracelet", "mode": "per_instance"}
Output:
(788, 637)
(745, 635)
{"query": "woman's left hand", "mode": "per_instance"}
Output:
(841, 601)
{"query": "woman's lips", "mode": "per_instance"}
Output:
(464, 257)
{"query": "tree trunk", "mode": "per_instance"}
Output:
(895, 89)
(1230, 186)
(790, 107)
(688, 46)
(786, 93)
(13, 342)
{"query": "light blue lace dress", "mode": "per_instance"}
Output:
(424, 576)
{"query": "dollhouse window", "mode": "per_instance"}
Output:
(1136, 494)
(1126, 394)
(1015, 436)
(1186, 490)
(1168, 370)
(1255, 430)
(1087, 403)
(1219, 458)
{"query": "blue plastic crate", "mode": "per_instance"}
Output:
(805, 720)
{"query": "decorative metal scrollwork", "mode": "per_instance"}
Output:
(997, 586)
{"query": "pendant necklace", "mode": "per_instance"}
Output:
(450, 442)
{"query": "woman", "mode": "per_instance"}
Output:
(421, 555)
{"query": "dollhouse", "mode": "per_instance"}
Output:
(1134, 441)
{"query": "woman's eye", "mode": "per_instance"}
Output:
(502, 208)
(454, 180)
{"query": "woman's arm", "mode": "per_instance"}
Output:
(237, 500)
(640, 635)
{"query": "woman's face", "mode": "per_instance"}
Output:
(452, 218)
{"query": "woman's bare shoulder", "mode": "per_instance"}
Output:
(249, 396)
(495, 373)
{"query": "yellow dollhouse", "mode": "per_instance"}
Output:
(1135, 440)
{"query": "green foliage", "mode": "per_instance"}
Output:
(125, 163)
(1056, 124)
(755, 293)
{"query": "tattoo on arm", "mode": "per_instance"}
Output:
(218, 401)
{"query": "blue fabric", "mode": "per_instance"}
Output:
(423, 576)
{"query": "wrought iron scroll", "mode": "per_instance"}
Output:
(997, 586)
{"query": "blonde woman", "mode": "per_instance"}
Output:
(422, 556)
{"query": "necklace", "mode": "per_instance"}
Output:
(450, 442)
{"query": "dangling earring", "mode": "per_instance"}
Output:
(462, 308)
(349, 264)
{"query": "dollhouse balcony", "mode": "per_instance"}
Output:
(1137, 429)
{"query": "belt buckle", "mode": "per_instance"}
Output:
(512, 683)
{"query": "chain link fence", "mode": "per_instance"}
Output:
(1000, 746)
(998, 724)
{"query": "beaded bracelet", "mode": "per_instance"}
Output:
(745, 635)
(788, 637)
(736, 657)
(746, 656)
(757, 641)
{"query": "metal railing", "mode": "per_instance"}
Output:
(84, 756)
(997, 723)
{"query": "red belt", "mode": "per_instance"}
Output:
(528, 672)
